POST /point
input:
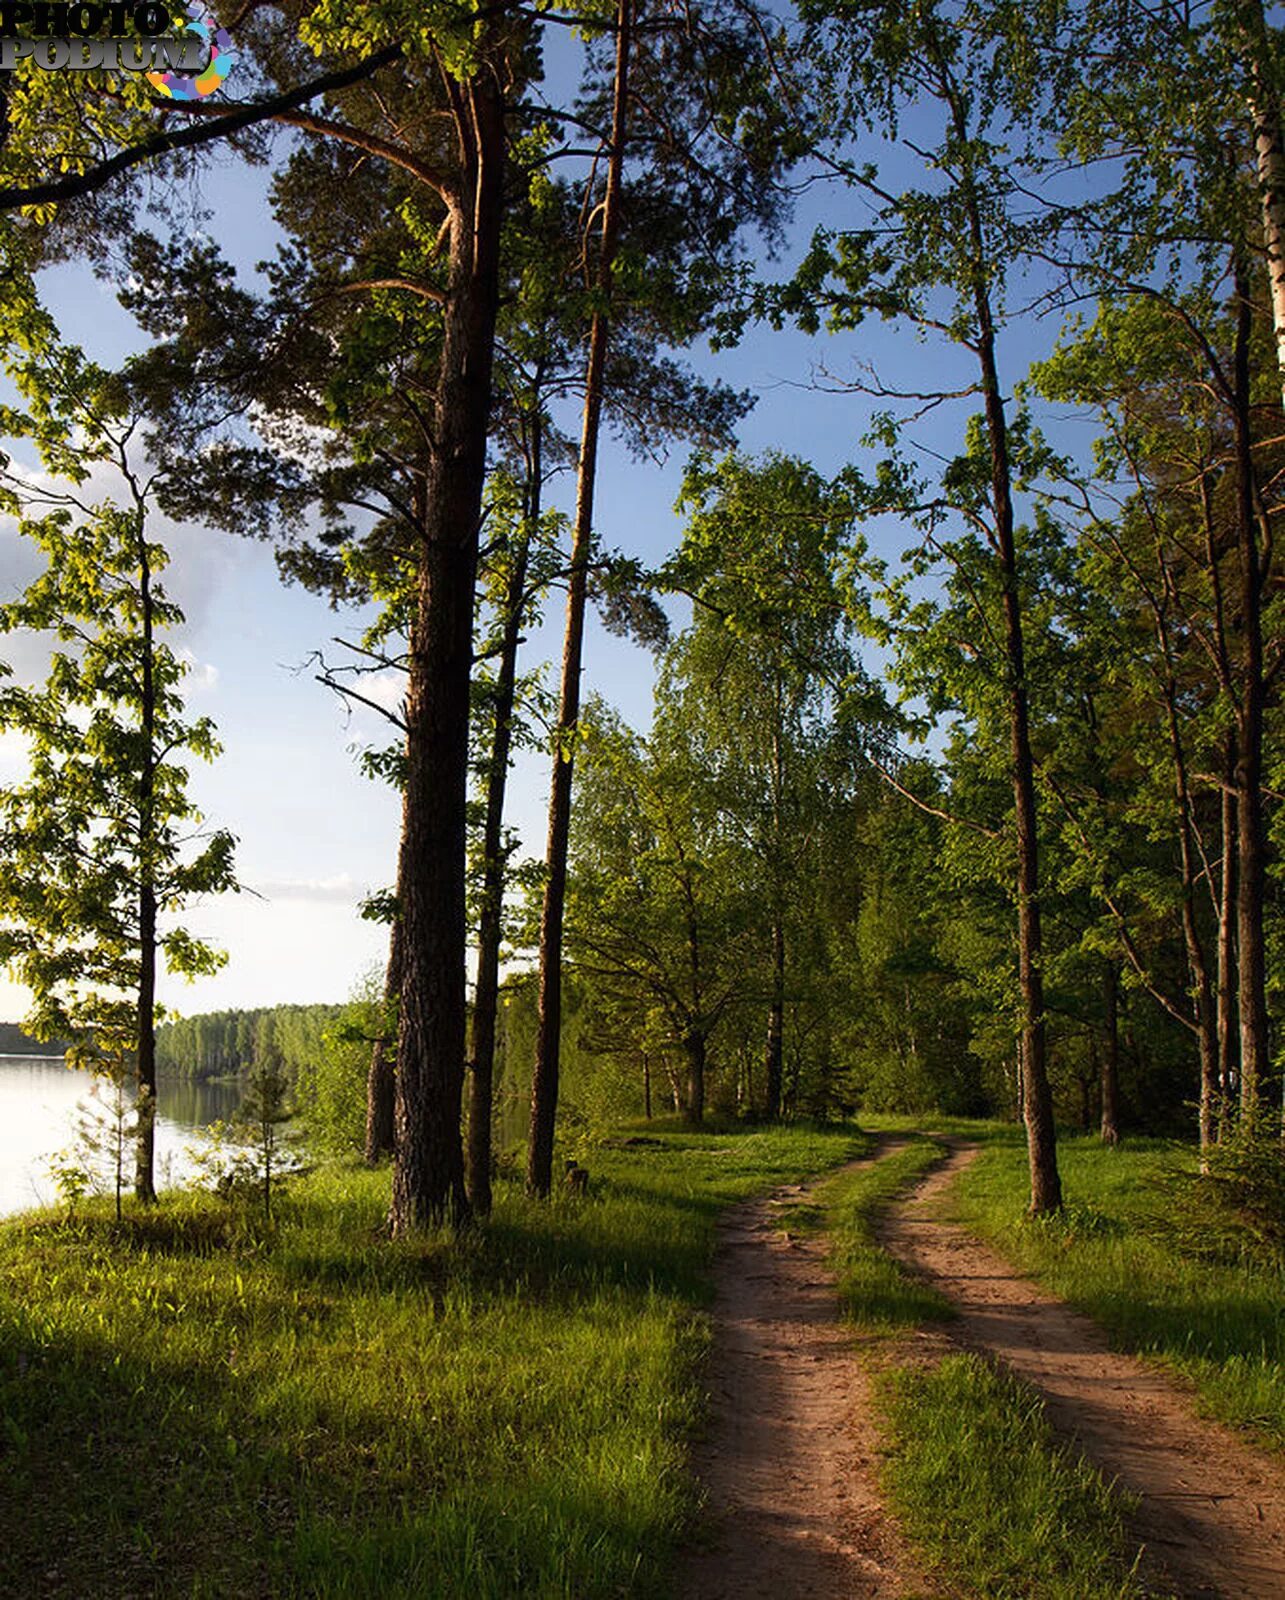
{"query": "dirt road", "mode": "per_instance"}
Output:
(1212, 1508)
(789, 1455)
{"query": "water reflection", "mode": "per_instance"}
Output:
(38, 1099)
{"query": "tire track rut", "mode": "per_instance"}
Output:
(788, 1460)
(1211, 1511)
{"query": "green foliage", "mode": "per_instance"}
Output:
(71, 830)
(258, 1127)
(1233, 1209)
(330, 1078)
(981, 1485)
(215, 1044)
(104, 1129)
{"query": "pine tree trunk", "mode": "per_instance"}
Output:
(1203, 1020)
(428, 1162)
(544, 1080)
(1251, 836)
(486, 991)
(1110, 1126)
(145, 1143)
(381, 1081)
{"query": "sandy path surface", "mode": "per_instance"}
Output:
(1212, 1508)
(788, 1458)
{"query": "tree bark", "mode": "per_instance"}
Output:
(381, 1081)
(1251, 836)
(774, 1052)
(544, 1080)
(694, 1047)
(1203, 1021)
(1037, 1097)
(1110, 1125)
(486, 991)
(145, 1139)
(1228, 1019)
(1269, 153)
(428, 1164)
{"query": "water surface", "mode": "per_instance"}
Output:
(38, 1100)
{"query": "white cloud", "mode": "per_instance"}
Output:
(386, 689)
(342, 889)
(14, 748)
(200, 674)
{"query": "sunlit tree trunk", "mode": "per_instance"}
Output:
(145, 1139)
(486, 991)
(428, 1165)
(544, 1081)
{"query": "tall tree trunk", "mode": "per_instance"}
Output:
(428, 1163)
(774, 1051)
(773, 1054)
(1037, 1097)
(694, 1048)
(145, 1140)
(490, 929)
(544, 1080)
(1269, 152)
(1251, 836)
(1203, 1022)
(1110, 1127)
(381, 1080)
(1228, 1020)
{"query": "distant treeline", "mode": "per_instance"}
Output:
(221, 1044)
(14, 1042)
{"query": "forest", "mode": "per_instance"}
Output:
(947, 854)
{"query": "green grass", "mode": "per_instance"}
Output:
(191, 1408)
(876, 1293)
(986, 1493)
(1117, 1254)
(974, 1475)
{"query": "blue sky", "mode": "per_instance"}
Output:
(315, 835)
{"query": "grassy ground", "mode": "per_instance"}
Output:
(988, 1495)
(876, 1294)
(973, 1473)
(194, 1408)
(1131, 1251)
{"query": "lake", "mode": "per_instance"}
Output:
(38, 1099)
